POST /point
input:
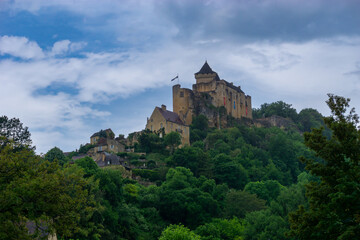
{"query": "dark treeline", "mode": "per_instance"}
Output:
(235, 183)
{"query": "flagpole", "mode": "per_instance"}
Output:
(177, 77)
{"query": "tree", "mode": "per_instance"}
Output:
(198, 128)
(228, 171)
(83, 149)
(221, 229)
(182, 201)
(267, 190)
(263, 225)
(150, 142)
(334, 208)
(88, 165)
(12, 130)
(309, 118)
(238, 203)
(195, 159)
(37, 191)
(278, 108)
(173, 140)
(55, 154)
(178, 232)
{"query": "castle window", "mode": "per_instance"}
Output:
(161, 125)
(112, 146)
(181, 94)
(100, 148)
(151, 128)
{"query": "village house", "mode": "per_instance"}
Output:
(105, 140)
(169, 122)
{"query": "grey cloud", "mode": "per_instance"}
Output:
(263, 20)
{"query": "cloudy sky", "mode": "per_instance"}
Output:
(69, 68)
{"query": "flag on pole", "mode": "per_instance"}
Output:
(177, 76)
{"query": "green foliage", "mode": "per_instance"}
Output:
(200, 122)
(102, 134)
(273, 223)
(35, 190)
(263, 225)
(278, 108)
(172, 140)
(151, 175)
(196, 192)
(267, 190)
(198, 128)
(238, 203)
(85, 148)
(334, 210)
(121, 218)
(12, 130)
(178, 232)
(230, 172)
(150, 142)
(310, 118)
(199, 144)
(284, 155)
(193, 158)
(221, 229)
(55, 154)
(182, 201)
(88, 165)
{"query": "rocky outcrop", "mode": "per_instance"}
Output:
(275, 121)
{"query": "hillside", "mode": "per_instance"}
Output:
(238, 182)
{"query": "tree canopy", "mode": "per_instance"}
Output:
(278, 108)
(12, 130)
(37, 191)
(334, 208)
(55, 154)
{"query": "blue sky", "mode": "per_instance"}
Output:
(70, 68)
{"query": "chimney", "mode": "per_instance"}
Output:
(163, 107)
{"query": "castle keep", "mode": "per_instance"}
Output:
(217, 92)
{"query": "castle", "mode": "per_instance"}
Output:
(207, 97)
(211, 96)
(216, 92)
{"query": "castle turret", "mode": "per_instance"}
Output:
(206, 74)
(183, 103)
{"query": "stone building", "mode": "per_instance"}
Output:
(107, 133)
(218, 92)
(105, 140)
(170, 122)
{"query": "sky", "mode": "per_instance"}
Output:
(69, 68)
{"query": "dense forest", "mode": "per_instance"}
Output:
(241, 182)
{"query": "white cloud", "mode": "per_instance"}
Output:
(66, 46)
(51, 93)
(76, 46)
(20, 47)
(60, 47)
